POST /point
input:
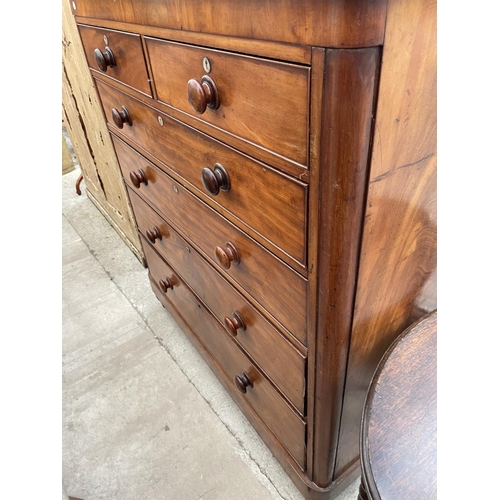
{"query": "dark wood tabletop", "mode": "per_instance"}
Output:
(399, 426)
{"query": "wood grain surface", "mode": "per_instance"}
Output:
(397, 276)
(275, 50)
(284, 364)
(265, 155)
(127, 50)
(328, 23)
(288, 427)
(86, 126)
(271, 96)
(265, 279)
(399, 426)
(260, 197)
(350, 83)
(298, 202)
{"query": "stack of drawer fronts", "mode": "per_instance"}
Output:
(224, 233)
(244, 131)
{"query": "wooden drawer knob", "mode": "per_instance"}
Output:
(235, 323)
(121, 117)
(138, 178)
(166, 284)
(242, 382)
(215, 180)
(104, 61)
(227, 255)
(153, 234)
(201, 95)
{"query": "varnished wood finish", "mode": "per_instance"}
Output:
(298, 476)
(227, 255)
(317, 95)
(397, 274)
(253, 90)
(286, 190)
(267, 280)
(399, 426)
(138, 178)
(272, 158)
(344, 164)
(215, 179)
(153, 234)
(284, 364)
(288, 427)
(129, 65)
(77, 185)
(235, 323)
(243, 382)
(275, 50)
(203, 95)
(165, 283)
(104, 60)
(121, 117)
(271, 203)
(332, 23)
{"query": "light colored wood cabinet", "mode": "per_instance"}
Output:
(86, 126)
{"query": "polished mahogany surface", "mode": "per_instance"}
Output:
(399, 428)
(280, 163)
(118, 55)
(285, 423)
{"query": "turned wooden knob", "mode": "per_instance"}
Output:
(235, 323)
(227, 255)
(201, 95)
(153, 234)
(242, 382)
(138, 178)
(215, 180)
(121, 117)
(104, 61)
(165, 284)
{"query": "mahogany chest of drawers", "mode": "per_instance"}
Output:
(283, 187)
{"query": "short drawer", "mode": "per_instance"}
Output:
(286, 425)
(282, 362)
(259, 198)
(274, 285)
(116, 54)
(262, 101)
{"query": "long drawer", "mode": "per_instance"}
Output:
(269, 203)
(287, 426)
(119, 56)
(262, 101)
(283, 363)
(273, 284)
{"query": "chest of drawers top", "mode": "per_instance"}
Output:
(320, 23)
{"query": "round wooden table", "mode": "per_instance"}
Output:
(399, 425)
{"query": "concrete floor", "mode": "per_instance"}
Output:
(143, 415)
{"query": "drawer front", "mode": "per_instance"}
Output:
(288, 427)
(270, 203)
(274, 285)
(126, 61)
(284, 365)
(264, 102)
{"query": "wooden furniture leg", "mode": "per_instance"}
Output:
(362, 495)
(78, 182)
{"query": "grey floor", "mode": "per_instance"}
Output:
(143, 416)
